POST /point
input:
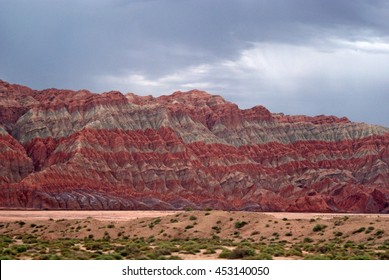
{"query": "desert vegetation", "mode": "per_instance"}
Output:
(198, 235)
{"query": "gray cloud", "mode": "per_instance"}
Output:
(301, 56)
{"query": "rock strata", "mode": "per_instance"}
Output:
(62, 149)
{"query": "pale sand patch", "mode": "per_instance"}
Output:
(325, 216)
(14, 215)
(199, 256)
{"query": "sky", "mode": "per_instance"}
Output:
(307, 57)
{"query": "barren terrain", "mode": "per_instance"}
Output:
(192, 235)
(76, 150)
(9, 215)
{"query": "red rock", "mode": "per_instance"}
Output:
(315, 120)
(62, 149)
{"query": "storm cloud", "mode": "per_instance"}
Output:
(292, 56)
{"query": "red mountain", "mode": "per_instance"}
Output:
(62, 149)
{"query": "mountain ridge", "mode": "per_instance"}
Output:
(63, 149)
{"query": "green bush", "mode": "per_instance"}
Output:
(361, 229)
(379, 232)
(209, 251)
(349, 244)
(308, 240)
(109, 257)
(21, 249)
(217, 229)
(263, 256)
(369, 229)
(361, 257)
(8, 251)
(317, 257)
(224, 254)
(162, 252)
(319, 227)
(237, 253)
(274, 249)
(240, 224)
(21, 223)
(294, 252)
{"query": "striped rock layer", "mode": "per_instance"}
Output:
(62, 149)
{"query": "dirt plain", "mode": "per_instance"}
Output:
(192, 235)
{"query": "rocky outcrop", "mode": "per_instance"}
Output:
(62, 149)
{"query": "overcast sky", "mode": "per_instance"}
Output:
(292, 56)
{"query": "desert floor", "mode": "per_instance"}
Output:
(191, 235)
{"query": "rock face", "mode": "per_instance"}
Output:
(62, 149)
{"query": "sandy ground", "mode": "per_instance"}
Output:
(14, 215)
(167, 225)
(193, 224)
(288, 215)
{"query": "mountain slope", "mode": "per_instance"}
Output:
(79, 150)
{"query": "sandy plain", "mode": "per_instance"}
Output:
(14, 215)
(197, 234)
